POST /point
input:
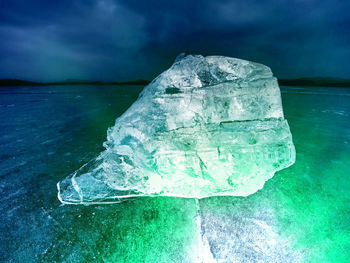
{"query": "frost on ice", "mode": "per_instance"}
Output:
(207, 126)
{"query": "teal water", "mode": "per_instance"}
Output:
(301, 215)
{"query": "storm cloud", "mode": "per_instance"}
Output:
(123, 40)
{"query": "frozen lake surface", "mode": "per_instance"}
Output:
(301, 215)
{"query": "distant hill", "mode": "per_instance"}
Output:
(18, 82)
(323, 82)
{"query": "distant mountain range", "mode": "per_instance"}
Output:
(18, 82)
(325, 82)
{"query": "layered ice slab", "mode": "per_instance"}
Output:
(207, 126)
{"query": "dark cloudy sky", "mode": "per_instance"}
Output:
(122, 40)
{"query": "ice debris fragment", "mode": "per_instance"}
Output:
(207, 126)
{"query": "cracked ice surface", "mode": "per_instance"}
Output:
(207, 126)
(238, 230)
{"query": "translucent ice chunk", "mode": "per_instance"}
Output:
(207, 126)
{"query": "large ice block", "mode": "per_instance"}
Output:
(207, 126)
